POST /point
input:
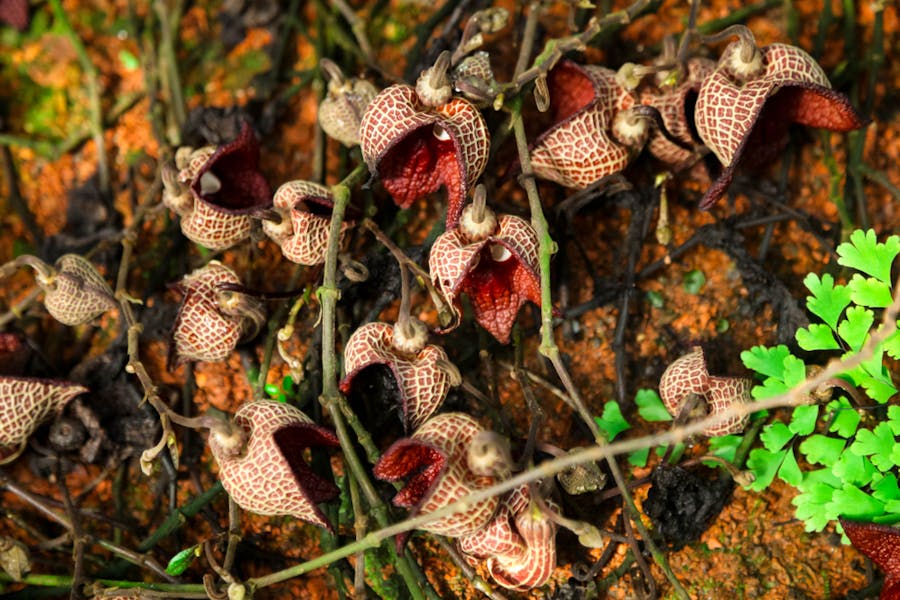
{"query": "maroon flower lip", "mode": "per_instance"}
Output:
(498, 273)
(745, 121)
(235, 165)
(415, 149)
(881, 543)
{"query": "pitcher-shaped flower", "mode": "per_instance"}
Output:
(597, 128)
(422, 371)
(494, 260)
(303, 221)
(518, 545)
(745, 106)
(675, 97)
(261, 465)
(216, 189)
(25, 403)
(212, 320)
(417, 139)
(74, 292)
(436, 461)
(688, 376)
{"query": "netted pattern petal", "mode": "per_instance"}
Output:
(422, 383)
(677, 115)
(211, 228)
(308, 241)
(25, 403)
(202, 331)
(726, 110)
(529, 564)
(579, 149)
(262, 479)
(77, 294)
(453, 433)
(685, 375)
(723, 393)
(434, 459)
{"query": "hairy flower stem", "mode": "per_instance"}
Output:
(550, 350)
(331, 399)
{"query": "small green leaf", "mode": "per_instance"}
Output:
(766, 361)
(886, 488)
(892, 345)
(850, 501)
(854, 469)
(650, 406)
(845, 420)
(694, 280)
(812, 502)
(655, 299)
(129, 61)
(790, 470)
(816, 337)
(725, 446)
(794, 371)
(828, 301)
(612, 423)
(877, 443)
(775, 435)
(639, 458)
(822, 449)
(864, 253)
(764, 465)
(868, 291)
(179, 563)
(855, 328)
(803, 419)
(272, 390)
(894, 418)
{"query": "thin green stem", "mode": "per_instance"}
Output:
(549, 349)
(328, 295)
(93, 89)
(195, 590)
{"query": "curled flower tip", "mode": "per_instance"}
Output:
(341, 110)
(332, 72)
(477, 221)
(743, 58)
(541, 93)
(488, 455)
(433, 86)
